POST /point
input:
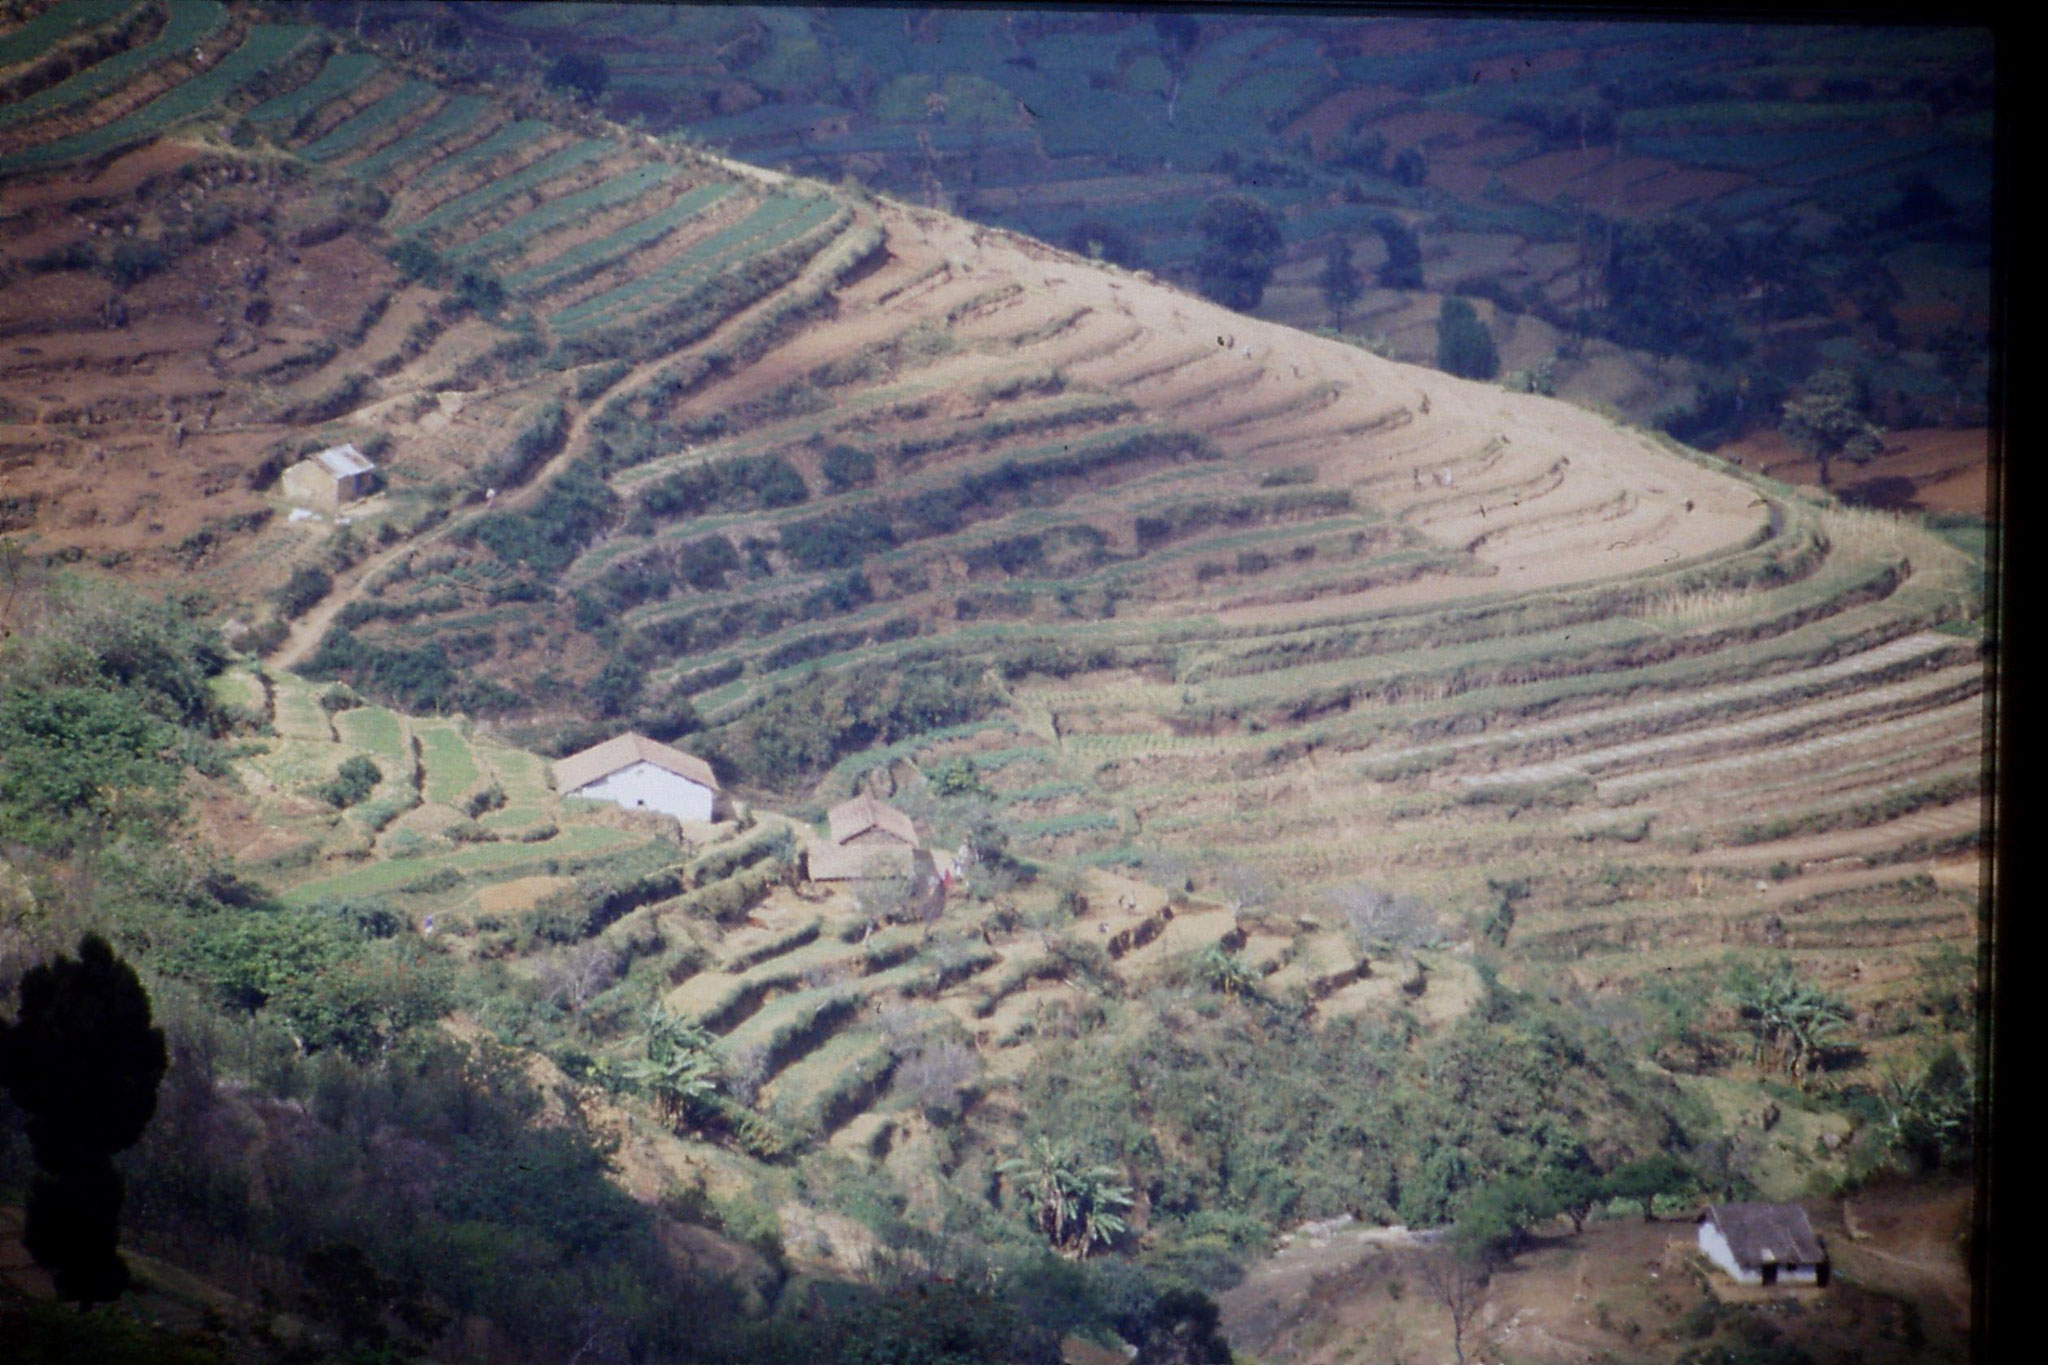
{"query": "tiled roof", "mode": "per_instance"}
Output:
(850, 819)
(623, 751)
(1768, 1234)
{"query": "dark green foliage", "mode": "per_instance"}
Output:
(131, 262)
(576, 506)
(353, 781)
(1829, 421)
(1182, 1329)
(417, 261)
(1463, 344)
(1403, 267)
(1339, 281)
(737, 485)
(584, 74)
(1105, 241)
(1410, 167)
(1659, 1174)
(837, 540)
(616, 689)
(83, 1061)
(1670, 287)
(847, 467)
(540, 438)
(303, 591)
(415, 679)
(798, 731)
(328, 977)
(1241, 244)
(73, 758)
(935, 1323)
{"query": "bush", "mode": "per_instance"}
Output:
(303, 591)
(354, 781)
(847, 467)
(1463, 345)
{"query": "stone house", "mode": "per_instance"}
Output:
(337, 475)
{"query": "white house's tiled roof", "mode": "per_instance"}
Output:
(623, 751)
(344, 461)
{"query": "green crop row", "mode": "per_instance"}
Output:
(266, 48)
(343, 73)
(366, 125)
(632, 237)
(467, 207)
(189, 25)
(564, 211)
(778, 220)
(505, 141)
(458, 116)
(60, 21)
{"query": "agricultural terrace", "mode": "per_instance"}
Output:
(1291, 671)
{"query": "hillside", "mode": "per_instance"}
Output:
(1314, 706)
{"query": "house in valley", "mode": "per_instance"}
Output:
(337, 475)
(869, 837)
(639, 773)
(1763, 1244)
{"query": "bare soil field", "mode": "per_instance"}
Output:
(1623, 1290)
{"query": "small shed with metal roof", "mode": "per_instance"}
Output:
(330, 478)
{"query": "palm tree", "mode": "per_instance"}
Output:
(681, 1068)
(1077, 1207)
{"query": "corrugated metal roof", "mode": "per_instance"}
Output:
(1768, 1234)
(851, 819)
(344, 461)
(623, 751)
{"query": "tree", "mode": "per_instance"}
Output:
(1181, 1329)
(1957, 350)
(1102, 240)
(1240, 246)
(1178, 35)
(84, 1061)
(1786, 1015)
(680, 1069)
(1403, 267)
(1459, 1282)
(1463, 345)
(1340, 282)
(1644, 1180)
(1410, 167)
(584, 74)
(1076, 1206)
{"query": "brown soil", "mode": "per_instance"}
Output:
(1949, 469)
(1623, 1290)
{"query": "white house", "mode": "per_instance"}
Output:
(641, 774)
(334, 476)
(1763, 1244)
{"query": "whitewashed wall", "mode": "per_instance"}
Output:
(645, 786)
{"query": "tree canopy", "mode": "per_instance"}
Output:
(1463, 345)
(84, 1061)
(1241, 244)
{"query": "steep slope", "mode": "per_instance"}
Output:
(867, 493)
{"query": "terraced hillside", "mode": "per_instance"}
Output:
(1398, 681)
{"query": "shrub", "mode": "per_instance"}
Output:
(303, 591)
(354, 780)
